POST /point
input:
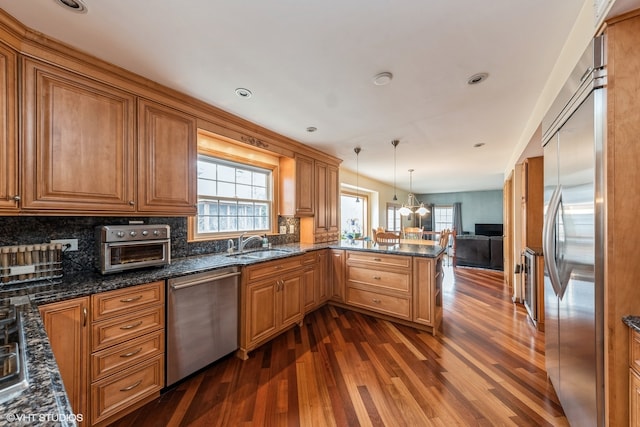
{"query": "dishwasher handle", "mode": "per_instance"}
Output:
(178, 286)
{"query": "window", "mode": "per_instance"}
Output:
(354, 214)
(443, 217)
(232, 197)
(394, 219)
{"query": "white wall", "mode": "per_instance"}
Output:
(380, 195)
(580, 36)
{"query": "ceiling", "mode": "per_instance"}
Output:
(311, 64)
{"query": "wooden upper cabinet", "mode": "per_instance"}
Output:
(333, 199)
(8, 135)
(304, 186)
(167, 155)
(532, 202)
(327, 202)
(78, 142)
(297, 186)
(321, 197)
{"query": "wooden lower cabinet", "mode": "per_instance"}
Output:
(123, 365)
(336, 269)
(67, 326)
(634, 398)
(380, 283)
(127, 350)
(634, 378)
(315, 279)
(427, 292)
(402, 288)
(272, 303)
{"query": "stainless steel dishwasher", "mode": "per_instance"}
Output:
(202, 320)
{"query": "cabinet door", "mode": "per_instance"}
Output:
(333, 201)
(261, 316)
(321, 198)
(322, 276)
(8, 134)
(304, 186)
(290, 296)
(309, 282)
(337, 268)
(67, 326)
(78, 144)
(634, 398)
(167, 158)
(423, 292)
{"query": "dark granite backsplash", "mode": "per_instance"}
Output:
(23, 230)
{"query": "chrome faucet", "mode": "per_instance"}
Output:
(242, 242)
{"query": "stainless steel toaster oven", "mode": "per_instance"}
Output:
(127, 247)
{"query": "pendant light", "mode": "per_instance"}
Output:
(395, 143)
(357, 151)
(413, 204)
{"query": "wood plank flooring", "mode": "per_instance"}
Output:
(341, 368)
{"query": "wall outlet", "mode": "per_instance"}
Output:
(72, 244)
(283, 229)
(292, 228)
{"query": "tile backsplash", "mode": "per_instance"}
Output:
(24, 230)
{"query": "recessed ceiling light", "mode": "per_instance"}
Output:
(312, 129)
(477, 78)
(243, 93)
(73, 5)
(478, 145)
(382, 78)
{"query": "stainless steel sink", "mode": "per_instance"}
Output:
(260, 254)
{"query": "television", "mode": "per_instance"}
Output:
(488, 229)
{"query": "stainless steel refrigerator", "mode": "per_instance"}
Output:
(573, 241)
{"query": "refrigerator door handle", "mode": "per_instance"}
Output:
(548, 240)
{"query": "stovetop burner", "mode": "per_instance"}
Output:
(13, 375)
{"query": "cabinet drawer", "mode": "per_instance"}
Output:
(399, 261)
(122, 356)
(389, 280)
(634, 350)
(114, 331)
(391, 305)
(116, 392)
(113, 303)
(272, 268)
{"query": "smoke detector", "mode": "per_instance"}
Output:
(382, 79)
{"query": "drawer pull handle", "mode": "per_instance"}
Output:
(377, 259)
(131, 353)
(132, 386)
(133, 325)
(131, 299)
(377, 277)
(377, 301)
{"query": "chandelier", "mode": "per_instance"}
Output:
(413, 204)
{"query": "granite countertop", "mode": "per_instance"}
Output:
(633, 322)
(428, 251)
(46, 395)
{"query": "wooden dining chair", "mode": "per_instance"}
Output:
(414, 233)
(387, 238)
(444, 242)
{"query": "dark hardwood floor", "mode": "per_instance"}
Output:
(341, 368)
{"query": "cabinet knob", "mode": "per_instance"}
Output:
(16, 198)
(377, 301)
(131, 203)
